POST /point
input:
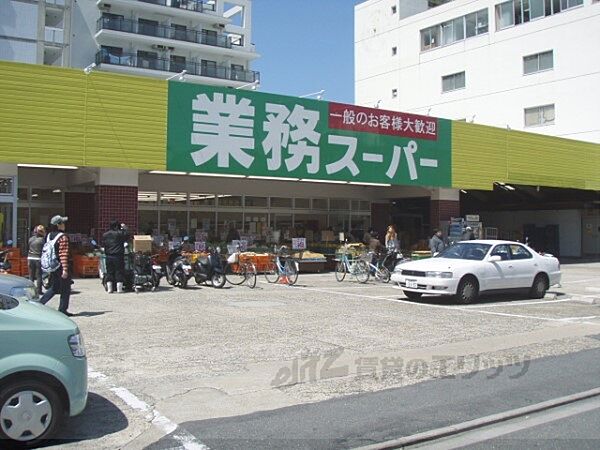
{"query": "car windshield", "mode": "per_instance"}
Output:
(24, 293)
(465, 250)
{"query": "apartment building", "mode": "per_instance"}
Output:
(528, 65)
(203, 41)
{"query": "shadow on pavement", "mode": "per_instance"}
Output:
(90, 313)
(485, 299)
(100, 418)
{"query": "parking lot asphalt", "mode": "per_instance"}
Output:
(161, 359)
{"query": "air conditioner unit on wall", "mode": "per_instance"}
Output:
(160, 47)
(219, 25)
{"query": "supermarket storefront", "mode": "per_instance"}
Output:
(174, 159)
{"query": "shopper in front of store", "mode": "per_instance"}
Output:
(34, 255)
(391, 239)
(436, 244)
(61, 277)
(114, 241)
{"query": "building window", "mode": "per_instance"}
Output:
(394, 9)
(394, 51)
(538, 62)
(455, 30)
(515, 12)
(394, 93)
(539, 115)
(453, 82)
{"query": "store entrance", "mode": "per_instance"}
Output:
(410, 216)
(6, 223)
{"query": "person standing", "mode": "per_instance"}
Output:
(60, 281)
(468, 234)
(436, 244)
(391, 239)
(34, 255)
(114, 248)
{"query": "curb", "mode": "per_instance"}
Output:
(480, 422)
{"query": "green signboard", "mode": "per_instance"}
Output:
(227, 131)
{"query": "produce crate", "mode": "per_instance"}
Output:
(85, 266)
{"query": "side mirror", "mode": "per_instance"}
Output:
(94, 243)
(495, 258)
(186, 238)
(9, 243)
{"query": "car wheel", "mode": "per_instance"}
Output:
(30, 412)
(468, 291)
(539, 287)
(412, 295)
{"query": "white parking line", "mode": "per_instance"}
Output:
(517, 303)
(430, 305)
(164, 424)
(587, 280)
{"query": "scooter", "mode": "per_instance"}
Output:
(178, 269)
(147, 274)
(210, 268)
(392, 259)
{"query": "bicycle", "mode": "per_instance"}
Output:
(282, 266)
(240, 270)
(357, 267)
(379, 271)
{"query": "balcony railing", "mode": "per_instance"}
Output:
(189, 5)
(162, 31)
(166, 65)
(54, 35)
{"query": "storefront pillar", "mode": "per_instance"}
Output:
(8, 203)
(444, 204)
(116, 199)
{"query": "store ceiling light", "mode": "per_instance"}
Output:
(308, 180)
(257, 177)
(166, 172)
(226, 175)
(370, 184)
(56, 191)
(47, 166)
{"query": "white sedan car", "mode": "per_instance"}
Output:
(469, 268)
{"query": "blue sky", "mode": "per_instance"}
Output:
(305, 46)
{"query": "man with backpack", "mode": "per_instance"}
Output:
(55, 260)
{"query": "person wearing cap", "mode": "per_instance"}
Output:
(468, 234)
(34, 255)
(114, 247)
(60, 282)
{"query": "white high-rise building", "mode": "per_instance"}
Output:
(35, 32)
(529, 65)
(210, 41)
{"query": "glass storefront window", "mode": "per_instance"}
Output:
(361, 205)
(42, 216)
(23, 194)
(339, 204)
(310, 225)
(256, 223)
(281, 202)
(339, 222)
(202, 221)
(283, 224)
(230, 201)
(227, 223)
(255, 202)
(319, 203)
(173, 199)
(46, 195)
(202, 199)
(6, 186)
(302, 203)
(148, 222)
(6, 214)
(174, 223)
(147, 198)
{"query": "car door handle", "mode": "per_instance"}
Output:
(510, 267)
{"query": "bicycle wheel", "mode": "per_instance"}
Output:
(340, 271)
(271, 272)
(361, 271)
(382, 274)
(250, 270)
(291, 271)
(234, 274)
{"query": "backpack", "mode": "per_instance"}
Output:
(49, 260)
